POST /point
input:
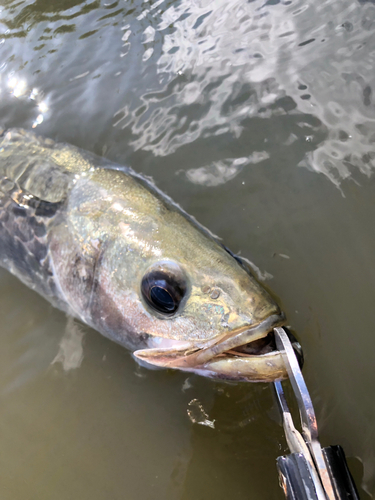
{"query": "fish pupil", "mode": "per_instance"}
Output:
(162, 298)
(162, 291)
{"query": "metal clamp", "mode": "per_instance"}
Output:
(310, 472)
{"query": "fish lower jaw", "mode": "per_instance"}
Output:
(268, 367)
(246, 355)
(257, 361)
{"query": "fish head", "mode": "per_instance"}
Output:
(187, 301)
(164, 287)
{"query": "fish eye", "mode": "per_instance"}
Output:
(162, 291)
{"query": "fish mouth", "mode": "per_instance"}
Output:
(245, 354)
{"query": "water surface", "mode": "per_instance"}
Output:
(258, 118)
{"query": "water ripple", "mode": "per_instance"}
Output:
(158, 76)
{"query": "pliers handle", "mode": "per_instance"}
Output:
(309, 472)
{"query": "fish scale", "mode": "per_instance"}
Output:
(24, 245)
(24, 218)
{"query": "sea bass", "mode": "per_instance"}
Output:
(103, 244)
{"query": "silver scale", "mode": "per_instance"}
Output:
(309, 472)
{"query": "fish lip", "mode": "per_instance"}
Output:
(240, 337)
(266, 367)
(200, 357)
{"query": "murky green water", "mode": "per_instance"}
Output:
(258, 118)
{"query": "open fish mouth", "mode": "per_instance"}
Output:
(246, 354)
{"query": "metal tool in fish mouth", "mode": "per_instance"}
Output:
(310, 472)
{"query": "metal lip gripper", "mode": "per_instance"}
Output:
(309, 472)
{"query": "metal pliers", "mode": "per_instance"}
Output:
(310, 472)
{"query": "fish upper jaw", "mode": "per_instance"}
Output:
(247, 354)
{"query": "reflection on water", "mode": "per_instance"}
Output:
(207, 69)
(197, 414)
(70, 353)
(19, 89)
(220, 102)
(221, 171)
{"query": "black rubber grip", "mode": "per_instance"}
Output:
(295, 477)
(342, 481)
(296, 481)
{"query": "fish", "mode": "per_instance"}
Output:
(106, 246)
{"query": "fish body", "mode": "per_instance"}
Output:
(103, 244)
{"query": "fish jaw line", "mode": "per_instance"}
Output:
(213, 361)
(240, 337)
(256, 368)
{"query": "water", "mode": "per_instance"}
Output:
(258, 118)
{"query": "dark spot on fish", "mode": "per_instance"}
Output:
(31, 265)
(19, 251)
(18, 211)
(47, 209)
(38, 228)
(24, 201)
(23, 232)
(39, 250)
(143, 337)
